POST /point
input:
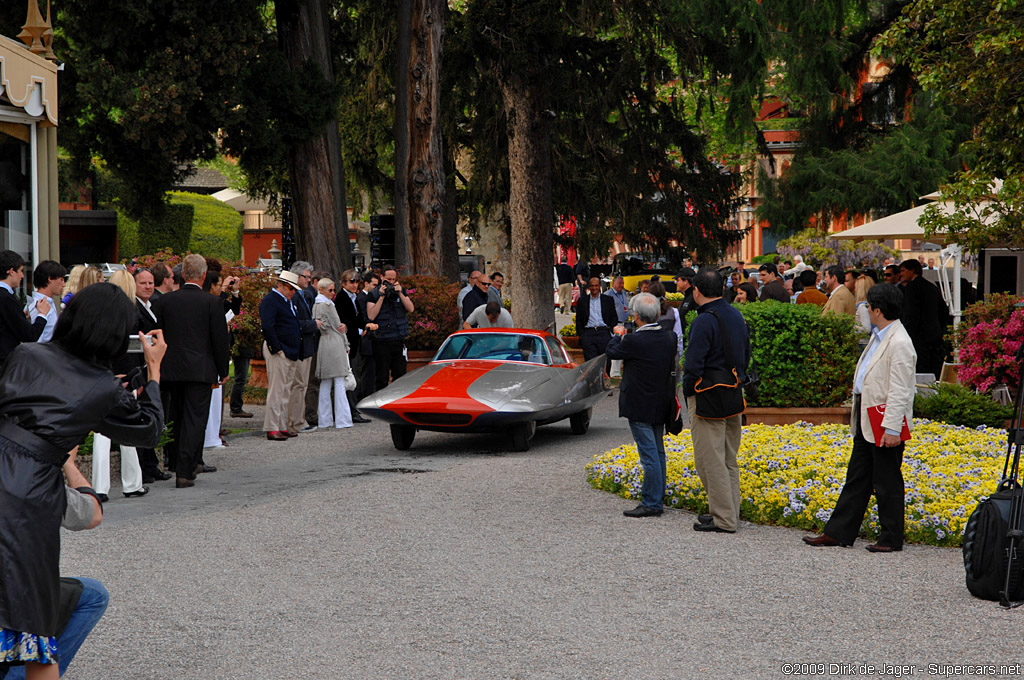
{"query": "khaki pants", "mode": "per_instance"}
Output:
(297, 398)
(280, 376)
(715, 445)
(565, 297)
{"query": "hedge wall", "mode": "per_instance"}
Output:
(189, 223)
(803, 358)
(216, 227)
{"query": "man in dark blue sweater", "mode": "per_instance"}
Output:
(719, 341)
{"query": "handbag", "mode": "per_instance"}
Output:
(719, 393)
(350, 382)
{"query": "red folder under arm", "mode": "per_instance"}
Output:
(875, 415)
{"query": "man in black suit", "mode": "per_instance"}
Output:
(647, 394)
(145, 290)
(476, 297)
(367, 374)
(595, 318)
(347, 304)
(196, 359)
(14, 327)
(773, 288)
(922, 310)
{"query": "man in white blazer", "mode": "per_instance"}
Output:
(884, 377)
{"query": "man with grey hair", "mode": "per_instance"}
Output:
(302, 417)
(197, 357)
(647, 395)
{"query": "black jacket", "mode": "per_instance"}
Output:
(774, 291)
(648, 389)
(310, 332)
(473, 299)
(49, 401)
(14, 327)
(705, 349)
(608, 316)
(350, 317)
(922, 308)
(196, 334)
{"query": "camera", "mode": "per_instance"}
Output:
(390, 294)
(135, 346)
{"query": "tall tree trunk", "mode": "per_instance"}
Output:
(530, 204)
(315, 167)
(420, 176)
(403, 135)
(450, 221)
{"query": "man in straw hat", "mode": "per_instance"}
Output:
(282, 334)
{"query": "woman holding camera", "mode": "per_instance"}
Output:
(51, 396)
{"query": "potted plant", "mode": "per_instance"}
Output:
(569, 334)
(988, 338)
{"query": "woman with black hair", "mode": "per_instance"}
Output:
(51, 396)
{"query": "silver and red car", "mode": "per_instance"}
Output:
(491, 380)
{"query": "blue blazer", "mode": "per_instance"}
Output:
(281, 327)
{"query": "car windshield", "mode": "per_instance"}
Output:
(495, 346)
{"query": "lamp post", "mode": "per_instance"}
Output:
(469, 245)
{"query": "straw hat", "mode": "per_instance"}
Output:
(291, 278)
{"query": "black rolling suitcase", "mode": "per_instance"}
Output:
(993, 543)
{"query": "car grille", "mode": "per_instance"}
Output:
(439, 418)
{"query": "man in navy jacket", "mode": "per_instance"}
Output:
(647, 394)
(716, 442)
(14, 327)
(282, 350)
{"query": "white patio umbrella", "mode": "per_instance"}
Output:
(904, 225)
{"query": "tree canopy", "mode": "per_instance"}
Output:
(968, 52)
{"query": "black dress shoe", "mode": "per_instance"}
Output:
(360, 419)
(643, 511)
(241, 414)
(202, 467)
(158, 476)
(141, 492)
(705, 519)
(710, 526)
(103, 497)
(183, 483)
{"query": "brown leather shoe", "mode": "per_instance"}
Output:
(183, 483)
(290, 433)
(823, 541)
(876, 548)
(277, 436)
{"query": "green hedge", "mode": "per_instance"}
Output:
(803, 358)
(172, 228)
(189, 223)
(216, 227)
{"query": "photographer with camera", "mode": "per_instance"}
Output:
(388, 306)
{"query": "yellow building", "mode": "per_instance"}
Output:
(29, 217)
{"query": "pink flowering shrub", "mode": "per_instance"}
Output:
(987, 352)
(435, 315)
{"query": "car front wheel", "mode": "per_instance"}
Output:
(402, 436)
(522, 434)
(580, 422)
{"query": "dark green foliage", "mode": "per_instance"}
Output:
(884, 170)
(767, 258)
(216, 226)
(148, 83)
(169, 226)
(960, 405)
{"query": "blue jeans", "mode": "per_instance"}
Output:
(650, 443)
(87, 614)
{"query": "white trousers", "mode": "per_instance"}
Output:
(213, 422)
(131, 471)
(341, 415)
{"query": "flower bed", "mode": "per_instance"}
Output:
(791, 475)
